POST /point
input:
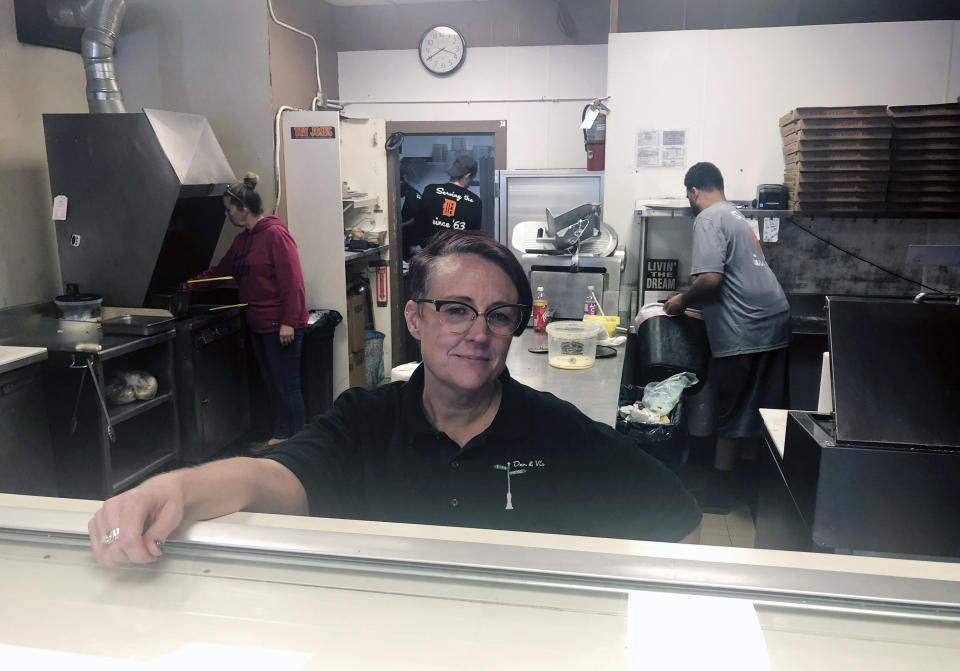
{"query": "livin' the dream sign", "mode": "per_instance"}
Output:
(661, 275)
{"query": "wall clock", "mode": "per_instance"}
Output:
(442, 50)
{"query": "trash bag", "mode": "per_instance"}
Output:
(663, 441)
(643, 431)
(661, 397)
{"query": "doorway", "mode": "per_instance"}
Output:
(424, 160)
(427, 150)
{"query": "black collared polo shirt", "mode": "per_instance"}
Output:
(541, 465)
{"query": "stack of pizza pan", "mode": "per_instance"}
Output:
(837, 159)
(925, 155)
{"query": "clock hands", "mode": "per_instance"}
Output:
(438, 51)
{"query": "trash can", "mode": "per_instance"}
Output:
(316, 361)
(661, 441)
(373, 358)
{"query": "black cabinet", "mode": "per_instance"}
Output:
(26, 459)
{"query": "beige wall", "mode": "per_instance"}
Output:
(33, 80)
(293, 65)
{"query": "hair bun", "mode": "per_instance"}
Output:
(250, 180)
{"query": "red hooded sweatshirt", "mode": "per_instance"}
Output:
(265, 264)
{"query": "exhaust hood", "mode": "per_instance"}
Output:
(144, 199)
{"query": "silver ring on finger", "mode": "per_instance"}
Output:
(110, 537)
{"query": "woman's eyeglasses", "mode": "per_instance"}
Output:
(457, 317)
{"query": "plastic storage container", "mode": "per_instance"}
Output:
(80, 307)
(572, 345)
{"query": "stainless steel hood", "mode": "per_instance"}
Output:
(143, 191)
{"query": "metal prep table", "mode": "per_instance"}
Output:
(99, 450)
(595, 390)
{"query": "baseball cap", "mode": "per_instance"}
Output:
(462, 166)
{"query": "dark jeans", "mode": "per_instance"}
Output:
(280, 367)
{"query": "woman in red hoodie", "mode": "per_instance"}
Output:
(264, 262)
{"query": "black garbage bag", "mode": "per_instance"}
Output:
(662, 441)
(324, 319)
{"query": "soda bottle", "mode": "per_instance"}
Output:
(540, 311)
(590, 306)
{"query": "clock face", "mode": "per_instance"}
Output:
(442, 50)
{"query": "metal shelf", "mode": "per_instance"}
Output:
(131, 410)
(352, 257)
(357, 203)
(127, 473)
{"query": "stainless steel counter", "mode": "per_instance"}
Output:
(12, 358)
(594, 390)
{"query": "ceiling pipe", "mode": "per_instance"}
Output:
(100, 20)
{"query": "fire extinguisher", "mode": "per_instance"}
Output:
(595, 137)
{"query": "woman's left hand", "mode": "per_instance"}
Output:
(286, 334)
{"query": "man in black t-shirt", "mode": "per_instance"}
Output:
(446, 207)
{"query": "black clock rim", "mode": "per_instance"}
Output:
(420, 51)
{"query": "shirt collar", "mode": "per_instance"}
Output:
(509, 423)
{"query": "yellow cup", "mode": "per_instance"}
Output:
(609, 323)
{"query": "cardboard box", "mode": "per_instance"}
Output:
(839, 166)
(834, 113)
(927, 122)
(840, 155)
(839, 134)
(938, 177)
(926, 166)
(875, 209)
(944, 133)
(834, 124)
(356, 324)
(801, 187)
(924, 198)
(869, 144)
(942, 109)
(923, 144)
(919, 186)
(838, 197)
(926, 155)
(358, 369)
(862, 176)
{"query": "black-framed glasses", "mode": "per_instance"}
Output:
(458, 317)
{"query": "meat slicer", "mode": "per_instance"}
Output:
(569, 252)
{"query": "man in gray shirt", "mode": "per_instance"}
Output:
(746, 313)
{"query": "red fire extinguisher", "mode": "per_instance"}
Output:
(595, 137)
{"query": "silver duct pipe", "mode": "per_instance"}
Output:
(100, 20)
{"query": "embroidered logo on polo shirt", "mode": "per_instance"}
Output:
(516, 468)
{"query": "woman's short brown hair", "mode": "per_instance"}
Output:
(470, 242)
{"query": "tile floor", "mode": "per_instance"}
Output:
(734, 529)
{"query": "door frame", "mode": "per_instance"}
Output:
(498, 128)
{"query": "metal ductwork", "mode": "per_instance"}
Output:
(100, 20)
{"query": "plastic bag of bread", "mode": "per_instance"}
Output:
(144, 384)
(129, 386)
(118, 392)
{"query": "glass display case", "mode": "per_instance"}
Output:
(264, 591)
